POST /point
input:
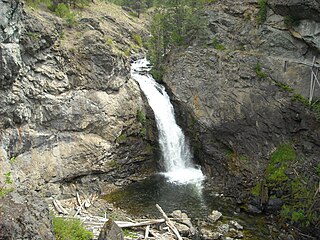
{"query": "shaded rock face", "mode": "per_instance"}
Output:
(305, 14)
(231, 103)
(300, 9)
(68, 108)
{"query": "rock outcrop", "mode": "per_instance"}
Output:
(70, 113)
(299, 9)
(240, 102)
(24, 217)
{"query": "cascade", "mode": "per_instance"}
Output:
(175, 150)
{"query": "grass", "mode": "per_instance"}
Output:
(122, 138)
(217, 45)
(278, 163)
(141, 117)
(109, 42)
(70, 229)
(4, 189)
(262, 14)
(255, 191)
(259, 72)
(130, 234)
(300, 98)
(284, 87)
(137, 39)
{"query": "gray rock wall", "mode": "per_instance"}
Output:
(236, 115)
(68, 110)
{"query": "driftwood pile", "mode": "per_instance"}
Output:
(145, 228)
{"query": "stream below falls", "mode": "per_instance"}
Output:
(181, 184)
(139, 199)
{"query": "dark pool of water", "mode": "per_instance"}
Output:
(139, 199)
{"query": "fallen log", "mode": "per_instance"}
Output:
(59, 207)
(146, 234)
(169, 223)
(78, 199)
(80, 208)
(139, 224)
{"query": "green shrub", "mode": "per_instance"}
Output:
(138, 40)
(35, 3)
(4, 190)
(70, 229)
(130, 234)
(283, 153)
(262, 14)
(292, 214)
(141, 117)
(284, 87)
(63, 11)
(109, 41)
(217, 45)
(259, 71)
(157, 74)
(256, 189)
(122, 138)
(278, 163)
(127, 52)
(300, 98)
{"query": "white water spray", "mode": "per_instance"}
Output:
(175, 150)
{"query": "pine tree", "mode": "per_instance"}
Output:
(176, 23)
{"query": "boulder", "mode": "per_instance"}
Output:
(24, 217)
(111, 231)
(236, 225)
(214, 216)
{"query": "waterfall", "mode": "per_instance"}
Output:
(174, 147)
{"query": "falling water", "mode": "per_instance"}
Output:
(175, 150)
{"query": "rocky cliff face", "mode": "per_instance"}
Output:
(236, 93)
(69, 110)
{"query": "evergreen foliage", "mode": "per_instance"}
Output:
(175, 23)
